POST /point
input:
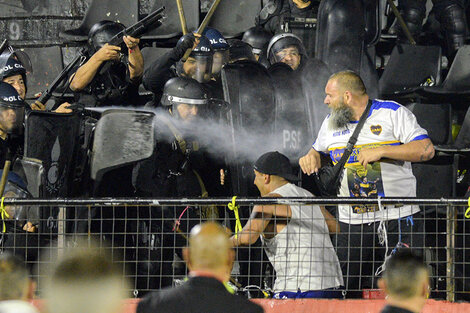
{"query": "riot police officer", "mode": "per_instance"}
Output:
(289, 49)
(14, 73)
(174, 170)
(221, 50)
(292, 16)
(449, 13)
(258, 38)
(197, 66)
(112, 74)
(11, 122)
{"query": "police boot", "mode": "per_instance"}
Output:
(413, 13)
(451, 15)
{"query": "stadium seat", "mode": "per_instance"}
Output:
(47, 64)
(457, 82)
(171, 25)
(436, 119)
(409, 67)
(437, 177)
(462, 141)
(125, 12)
(232, 18)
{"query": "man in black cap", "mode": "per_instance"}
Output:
(295, 237)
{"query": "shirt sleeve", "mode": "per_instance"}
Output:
(320, 144)
(406, 127)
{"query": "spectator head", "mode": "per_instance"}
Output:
(270, 169)
(210, 250)
(15, 283)
(406, 281)
(258, 38)
(85, 281)
(344, 91)
(11, 110)
(183, 97)
(286, 48)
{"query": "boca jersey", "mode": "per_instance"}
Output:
(388, 123)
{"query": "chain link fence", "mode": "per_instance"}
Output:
(146, 237)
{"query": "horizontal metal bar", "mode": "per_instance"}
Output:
(224, 201)
(41, 17)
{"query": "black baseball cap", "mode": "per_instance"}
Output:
(275, 163)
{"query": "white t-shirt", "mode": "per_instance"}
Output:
(388, 123)
(17, 306)
(302, 253)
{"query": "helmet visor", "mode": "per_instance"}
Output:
(11, 119)
(220, 58)
(199, 67)
(17, 212)
(288, 52)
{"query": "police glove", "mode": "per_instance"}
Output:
(184, 43)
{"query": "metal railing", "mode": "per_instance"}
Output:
(146, 236)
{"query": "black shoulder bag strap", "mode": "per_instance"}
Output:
(352, 141)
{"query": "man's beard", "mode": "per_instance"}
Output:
(341, 116)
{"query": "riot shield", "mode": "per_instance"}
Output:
(292, 123)
(341, 40)
(32, 173)
(52, 138)
(121, 137)
(248, 88)
(314, 77)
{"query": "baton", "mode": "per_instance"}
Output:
(203, 25)
(3, 182)
(401, 22)
(184, 28)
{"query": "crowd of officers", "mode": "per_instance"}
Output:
(183, 88)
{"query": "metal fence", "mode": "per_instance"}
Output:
(146, 237)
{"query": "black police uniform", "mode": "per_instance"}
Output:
(111, 85)
(169, 66)
(449, 13)
(111, 88)
(173, 171)
(282, 20)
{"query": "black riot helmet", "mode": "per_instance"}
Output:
(13, 67)
(102, 32)
(183, 90)
(11, 110)
(220, 47)
(198, 66)
(258, 38)
(240, 50)
(283, 41)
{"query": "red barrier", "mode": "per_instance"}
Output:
(328, 306)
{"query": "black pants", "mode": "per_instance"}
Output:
(360, 253)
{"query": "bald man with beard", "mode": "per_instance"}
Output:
(209, 257)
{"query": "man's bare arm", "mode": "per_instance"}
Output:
(415, 151)
(259, 219)
(136, 60)
(331, 222)
(85, 73)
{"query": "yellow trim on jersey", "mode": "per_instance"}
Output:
(368, 144)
